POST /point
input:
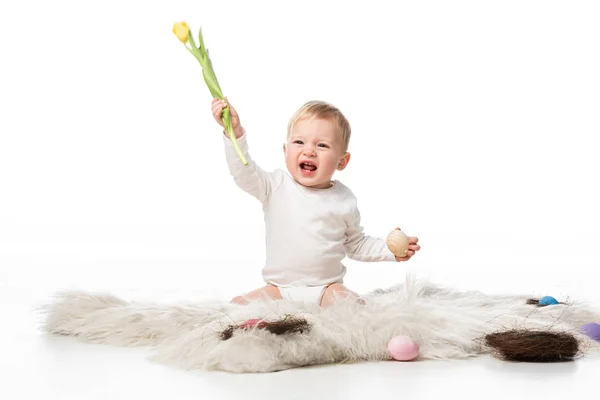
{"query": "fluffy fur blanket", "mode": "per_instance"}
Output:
(445, 323)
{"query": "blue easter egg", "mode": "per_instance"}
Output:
(592, 330)
(547, 300)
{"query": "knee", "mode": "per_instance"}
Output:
(273, 292)
(238, 300)
(336, 287)
(331, 293)
(337, 291)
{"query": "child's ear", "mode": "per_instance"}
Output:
(343, 162)
(284, 150)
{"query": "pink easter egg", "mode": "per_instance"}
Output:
(403, 348)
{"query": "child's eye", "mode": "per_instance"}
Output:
(323, 145)
(298, 141)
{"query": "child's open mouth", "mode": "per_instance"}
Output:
(308, 168)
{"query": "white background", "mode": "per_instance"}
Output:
(475, 128)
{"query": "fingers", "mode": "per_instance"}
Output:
(412, 250)
(217, 109)
(231, 109)
(223, 103)
(409, 254)
(218, 105)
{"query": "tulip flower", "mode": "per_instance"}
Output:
(182, 31)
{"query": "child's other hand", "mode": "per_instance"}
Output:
(413, 247)
(217, 110)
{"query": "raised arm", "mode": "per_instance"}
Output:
(250, 178)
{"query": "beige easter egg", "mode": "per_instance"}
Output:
(397, 242)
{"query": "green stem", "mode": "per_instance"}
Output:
(229, 128)
(213, 85)
(215, 89)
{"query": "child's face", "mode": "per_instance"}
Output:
(314, 151)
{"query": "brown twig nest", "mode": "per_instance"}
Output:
(287, 324)
(533, 346)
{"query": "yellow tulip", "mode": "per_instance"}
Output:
(181, 30)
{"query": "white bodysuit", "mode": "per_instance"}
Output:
(308, 231)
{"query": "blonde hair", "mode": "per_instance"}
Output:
(322, 110)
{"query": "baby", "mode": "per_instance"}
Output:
(312, 222)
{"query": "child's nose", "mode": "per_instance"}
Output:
(309, 150)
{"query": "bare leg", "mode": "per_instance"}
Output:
(339, 291)
(267, 292)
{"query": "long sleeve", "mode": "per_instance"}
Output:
(250, 178)
(361, 247)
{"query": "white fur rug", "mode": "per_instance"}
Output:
(445, 323)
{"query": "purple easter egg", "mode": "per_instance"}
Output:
(592, 330)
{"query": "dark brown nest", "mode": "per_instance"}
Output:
(536, 302)
(533, 346)
(287, 324)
